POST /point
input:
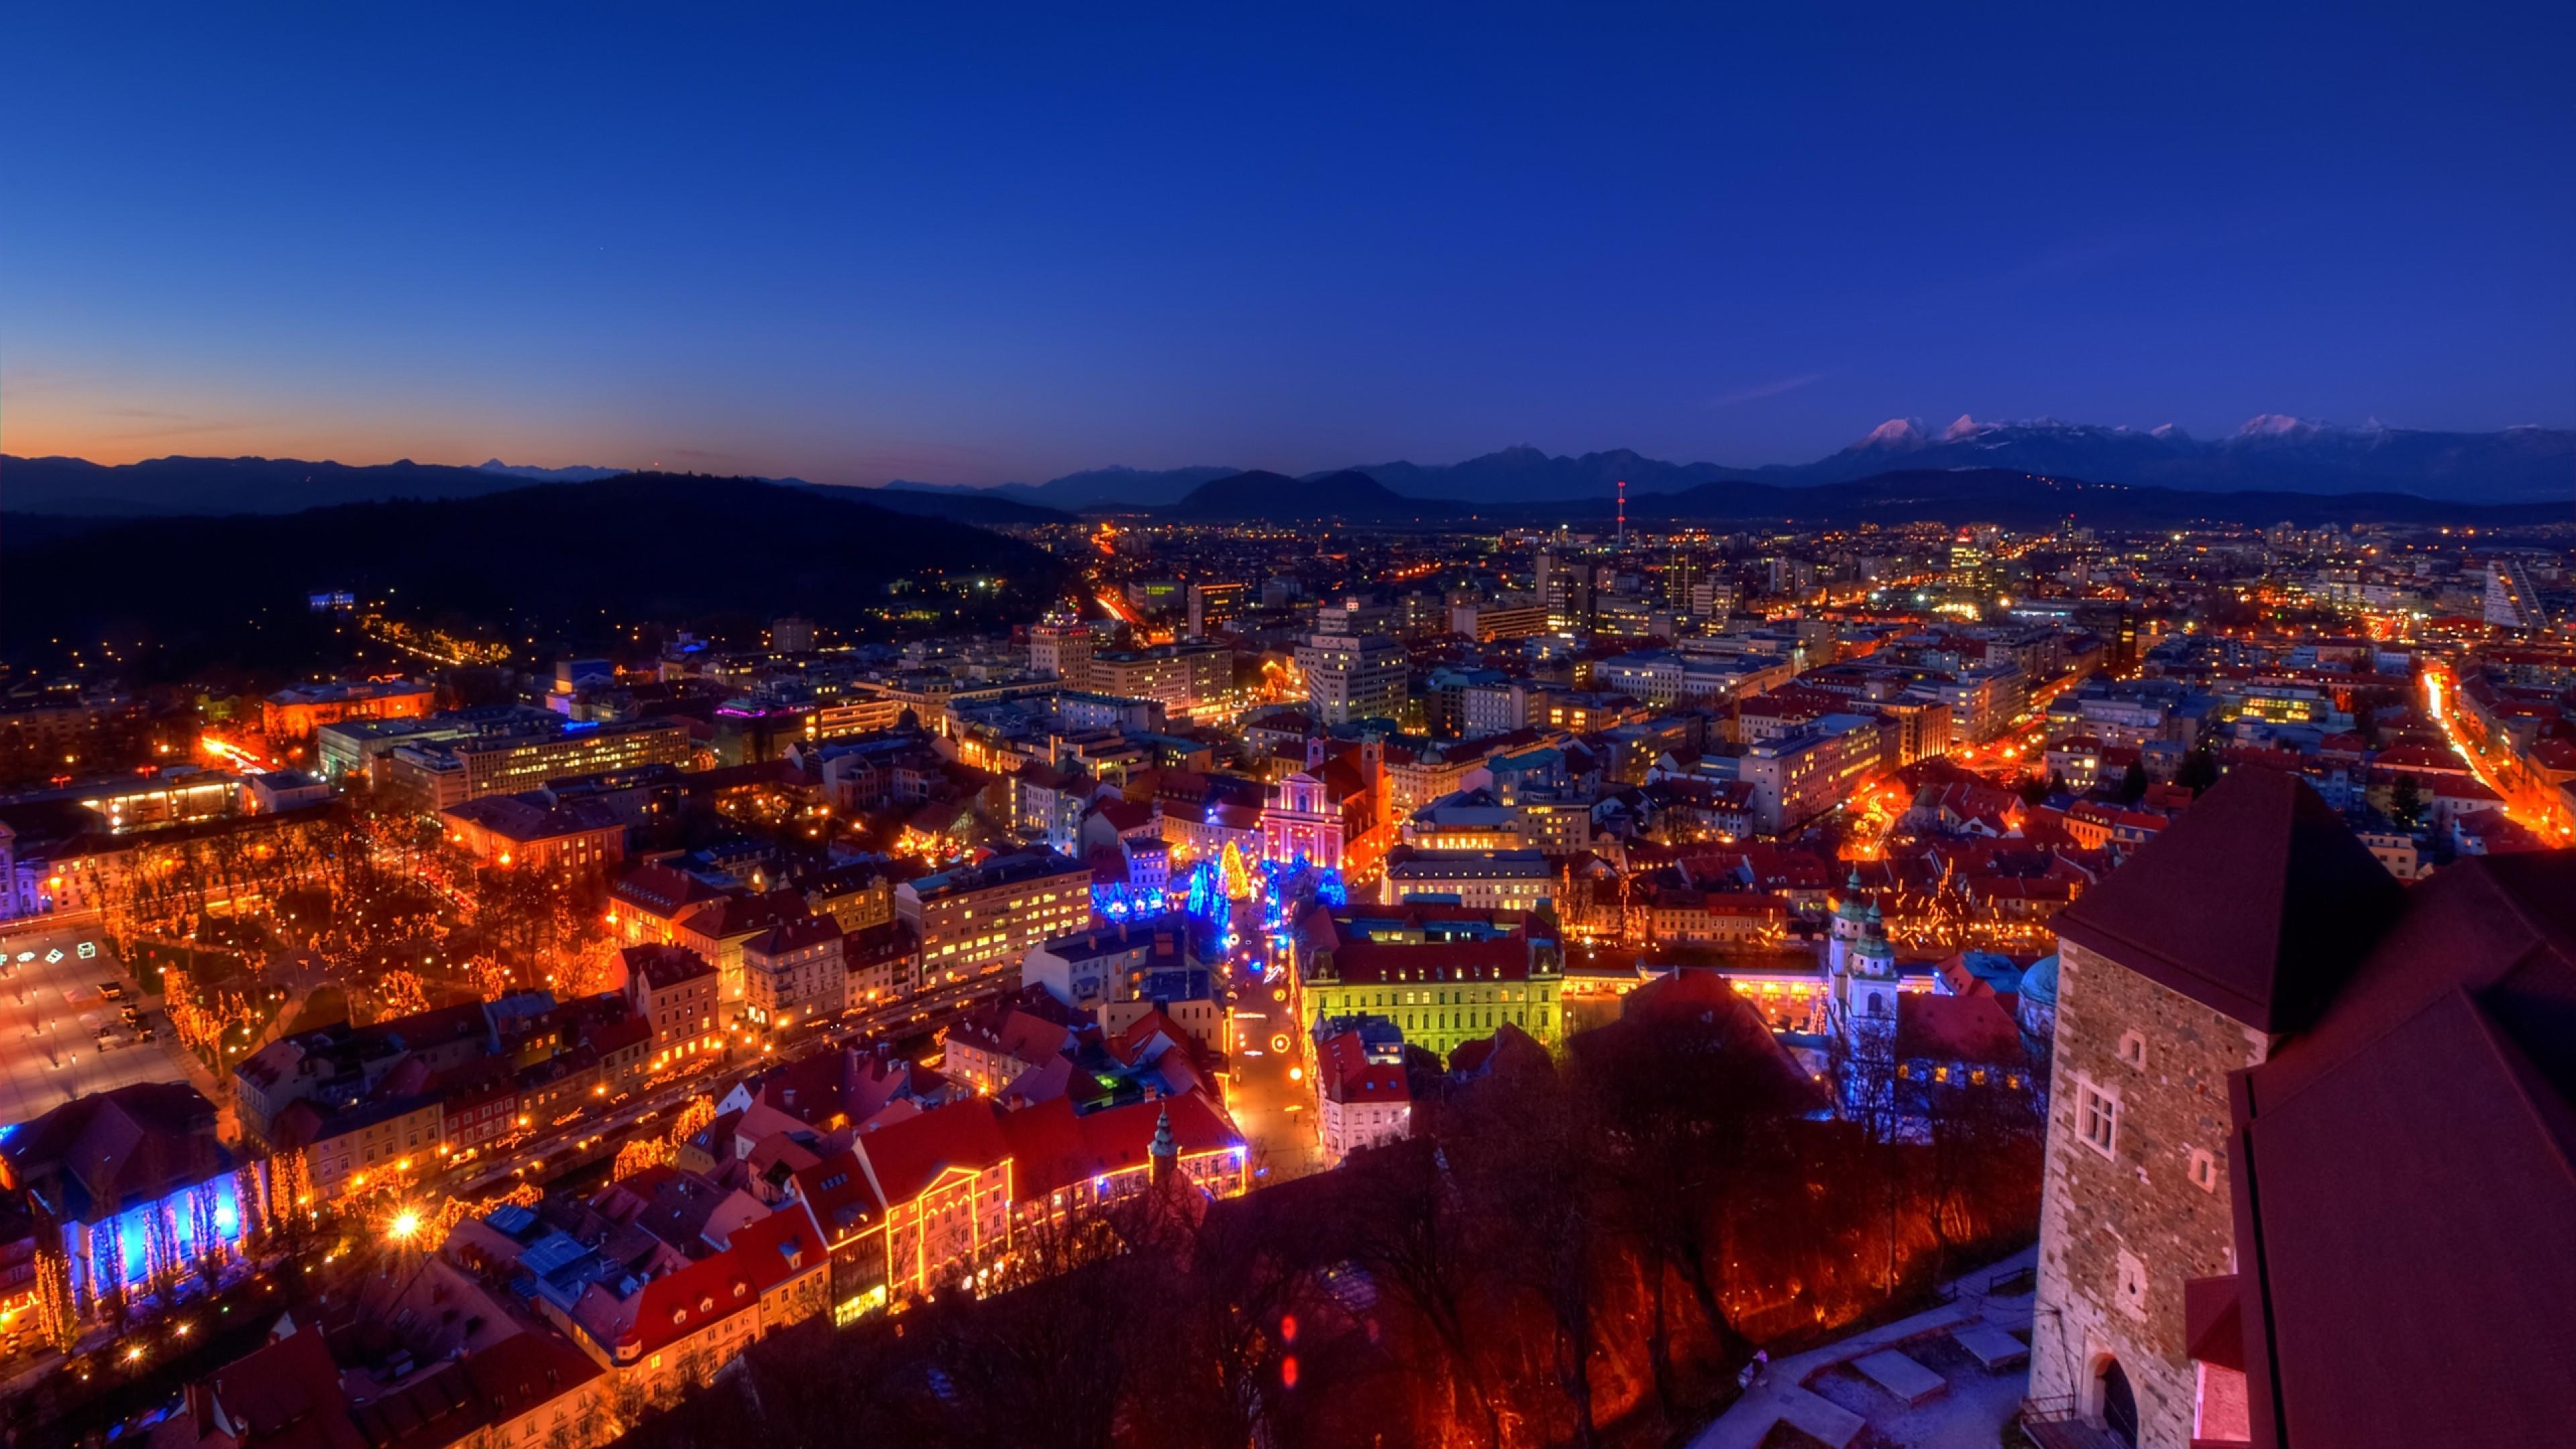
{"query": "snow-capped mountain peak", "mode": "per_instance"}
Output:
(1895, 433)
(1965, 427)
(2277, 425)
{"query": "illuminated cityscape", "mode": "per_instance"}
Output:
(2009, 932)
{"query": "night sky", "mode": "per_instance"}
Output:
(1009, 247)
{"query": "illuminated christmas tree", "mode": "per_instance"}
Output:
(57, 1315)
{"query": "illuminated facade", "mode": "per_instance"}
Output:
(977, 919)
(449, 772)
(139, 1187)
(296, 712)
(1444, 975)
(1352, 677)
(1299, 823)
(1183, 678)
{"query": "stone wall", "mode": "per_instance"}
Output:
(2120, 1234)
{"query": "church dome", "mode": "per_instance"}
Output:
(1855, 904)
(2039, 983)
(1873, 943)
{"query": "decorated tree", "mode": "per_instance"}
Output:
(162, 1263)
(249, 1193)
(291, 1208)
(58, 1316)
(203, 1233)
(443, 1217)
(692, 1119)
(399, 993)
(641, 1154)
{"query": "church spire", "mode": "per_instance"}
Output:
(1164, 1156)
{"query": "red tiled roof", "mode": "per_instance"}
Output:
(2420, 757)
(837, 1191)
(763, 1255)
(106, 1151)
(2407, 1165)
(526, 1371)
(1367, 962)
(2281, 897)
(287, 1393)
(744, 915)
(1348, 1076)
(621, 1032)
(662, 966)
(793, 935)
(1943, 1028)
(660, 889)
(905, 1158)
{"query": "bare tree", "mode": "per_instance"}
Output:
(1409, 1229)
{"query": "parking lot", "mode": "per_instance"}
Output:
(52, 1013)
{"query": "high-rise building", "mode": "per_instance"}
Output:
(1971, 566)
(1809, 770)
(1183, 678)
(2513, 601)
(1214, 605)
(1513, 616)
(1681, 575)
(1062, 651)
(1352, 677)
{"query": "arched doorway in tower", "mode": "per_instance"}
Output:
(2119, 1404)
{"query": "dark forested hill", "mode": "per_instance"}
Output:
(570, 563)
(229, 485)
(1271, 497)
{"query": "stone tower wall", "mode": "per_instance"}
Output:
(2120, 1234)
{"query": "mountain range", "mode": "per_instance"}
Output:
(2271, 453)
(1894, 497)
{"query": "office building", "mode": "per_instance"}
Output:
(443, 773)
(978, 919)
(1352, 677)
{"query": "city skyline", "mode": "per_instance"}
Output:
(874, 253)
(1565, 729)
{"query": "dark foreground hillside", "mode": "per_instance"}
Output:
(574, 564)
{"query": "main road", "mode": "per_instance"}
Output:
(1271, 1095)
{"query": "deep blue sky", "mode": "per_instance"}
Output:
(980, 248)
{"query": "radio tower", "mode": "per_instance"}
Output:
(1623, 513)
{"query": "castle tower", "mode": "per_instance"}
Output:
(2220, 937)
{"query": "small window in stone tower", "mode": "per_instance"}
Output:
(2097, 1117)
(2133, 1286)
(2204, 1170)
(2133, 1049)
